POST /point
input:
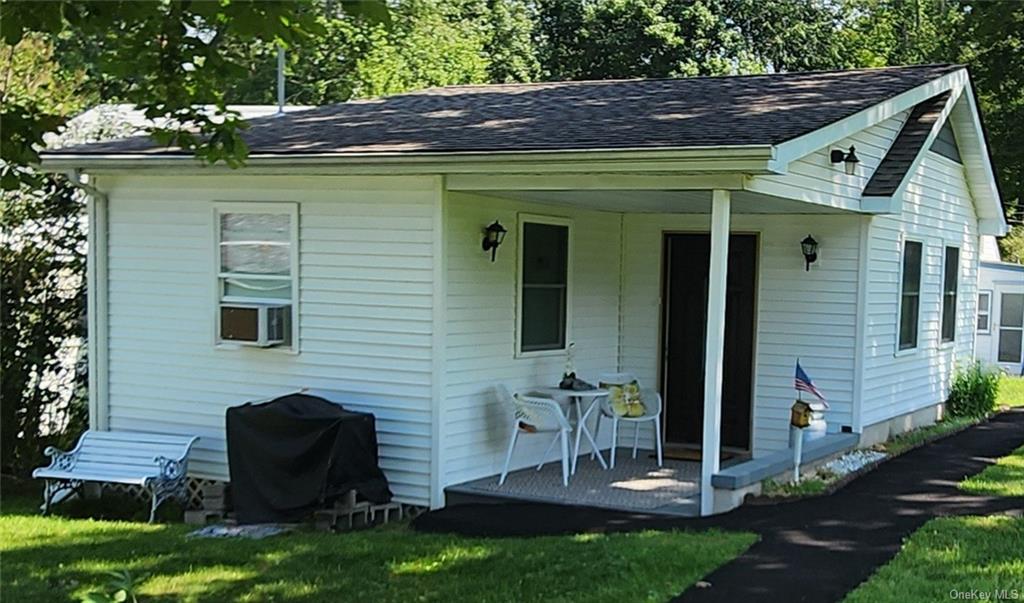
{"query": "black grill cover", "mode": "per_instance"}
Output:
(297, 453)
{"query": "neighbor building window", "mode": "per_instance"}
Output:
(543, 284)
(984, 311)
(910, 294)
(1011, 326)
(950, 276)
(257, 270)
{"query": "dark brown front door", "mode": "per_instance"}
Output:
(684, 326)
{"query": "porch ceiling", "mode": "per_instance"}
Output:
(663, 201)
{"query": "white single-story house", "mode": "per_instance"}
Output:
(656, 224)
(1000, 323)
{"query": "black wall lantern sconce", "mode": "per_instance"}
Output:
(849, 158)
(810, 248)
(493, 237)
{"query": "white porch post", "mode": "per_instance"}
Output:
(714, 347)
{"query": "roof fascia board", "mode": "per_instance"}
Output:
(991, 220)
(980, 176)
(736, 158)
(996, 227)
(880, 205)
(802, 146)
(585, 181)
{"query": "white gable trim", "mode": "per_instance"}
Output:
(894, 203)
(981, 179)
(962, 113)
(801, 146)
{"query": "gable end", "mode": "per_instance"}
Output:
(900, 158)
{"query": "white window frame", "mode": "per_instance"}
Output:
(1000, 328)
(291, 209)
(987, 312)
(522, 220)
(920, 294)
(942, 294)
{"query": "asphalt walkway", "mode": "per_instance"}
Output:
(816, 549)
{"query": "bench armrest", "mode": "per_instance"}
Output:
(60, 459)
(172, 469)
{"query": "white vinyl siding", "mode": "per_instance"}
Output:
(937, 210)
(799, 313)
(366, 289)
(817, 180)
(481, 323)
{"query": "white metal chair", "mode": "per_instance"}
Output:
(542, 415)
(652, 414)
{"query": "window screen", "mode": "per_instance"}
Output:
(950, 277)
(1011, 326)
(545, 273)
(984, 311)
(910, 294)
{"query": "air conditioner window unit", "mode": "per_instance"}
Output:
(257, 324)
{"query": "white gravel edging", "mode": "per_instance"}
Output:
(853, 461)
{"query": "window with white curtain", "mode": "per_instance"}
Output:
(257, 261)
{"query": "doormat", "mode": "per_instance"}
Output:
(692, 454)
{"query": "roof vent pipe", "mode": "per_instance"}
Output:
(280, 80)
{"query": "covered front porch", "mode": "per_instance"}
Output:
(701, 293)
(637, 485)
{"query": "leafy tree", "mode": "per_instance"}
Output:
(599, 39)
(164, 56)
(431, 44)
(1011, 247)
(42, 305)
(879, 33)
(427, 43)
(991, 42)
(509, 44)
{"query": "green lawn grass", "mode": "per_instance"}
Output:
(951, 554)
(905, 441)
(959, 554)
(1011, 393)
(51, 558)
(1005, 478)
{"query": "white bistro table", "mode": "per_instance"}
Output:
(578, 398)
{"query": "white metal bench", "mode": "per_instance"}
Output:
(156, 462)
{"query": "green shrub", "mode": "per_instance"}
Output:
(973, 392)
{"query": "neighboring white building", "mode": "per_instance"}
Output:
(364, 222)
(1000, 310)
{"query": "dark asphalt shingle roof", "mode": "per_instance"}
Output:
(619, 114)
(905, 149)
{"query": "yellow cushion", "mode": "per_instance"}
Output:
(624, 398)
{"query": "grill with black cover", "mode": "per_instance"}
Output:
(298, 453)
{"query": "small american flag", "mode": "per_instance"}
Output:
(803, 383)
